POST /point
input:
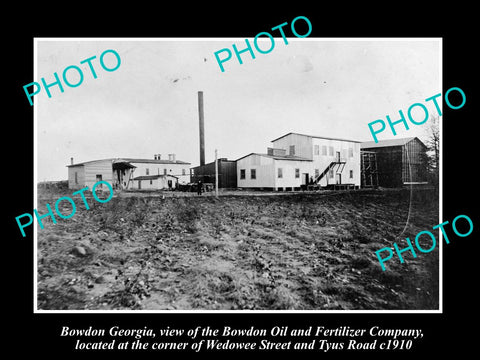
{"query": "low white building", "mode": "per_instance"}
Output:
(159, 166)
(120, 172)
(272, 171)
(90, 172)
(155, 182)
(299, 159)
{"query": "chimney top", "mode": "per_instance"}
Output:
(71, 161)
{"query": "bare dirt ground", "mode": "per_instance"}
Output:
(307, 251)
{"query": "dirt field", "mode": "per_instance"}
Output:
(290, 251)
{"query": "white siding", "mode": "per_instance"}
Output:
(267, 172)
(303, 145)
(264, 167)
(101, 167)
(159, 169)
(145, 184)
(288, 171)
(156, 184)
(86, 174)
(80, 170)
(321, 161)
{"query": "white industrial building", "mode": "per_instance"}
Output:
(298, 159)
(128, 173)
(155, 182)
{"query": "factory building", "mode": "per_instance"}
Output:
(298, 160)
(130, 173)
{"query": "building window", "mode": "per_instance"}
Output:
(330, 173)
(253, 174)
(242, 174)
(317, 173)
(351, 174)
(164, 171)
(297, 173)
(76, 177)
(350, 152)
(344, 154)
(316, 150)
(324, 149)
(280, 173)
(147, 171)
(151, 182)
(330, 150)
(292, 150)
(184, 171)
(98, 177)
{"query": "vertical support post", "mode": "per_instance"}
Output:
(201, 126)
(216, 174)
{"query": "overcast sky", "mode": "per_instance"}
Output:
(323, 87)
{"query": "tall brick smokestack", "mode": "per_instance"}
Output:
(202, 129)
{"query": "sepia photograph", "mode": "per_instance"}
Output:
(207, 174)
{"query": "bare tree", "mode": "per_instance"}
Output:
(433, 149)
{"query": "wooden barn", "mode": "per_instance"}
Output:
(227, 173)
(399, 162)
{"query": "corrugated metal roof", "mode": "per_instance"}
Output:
(386, 143)
(278, 157)
(317, 137)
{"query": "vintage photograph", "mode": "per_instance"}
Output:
(166, 184)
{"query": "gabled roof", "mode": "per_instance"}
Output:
(317, 137)
(220, 161)
(278, 157)
(130, 160)
(387, 143)
(91, 162)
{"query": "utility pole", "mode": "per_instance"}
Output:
(201, 127)
(216, 174)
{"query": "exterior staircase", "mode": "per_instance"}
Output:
(341, 166)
